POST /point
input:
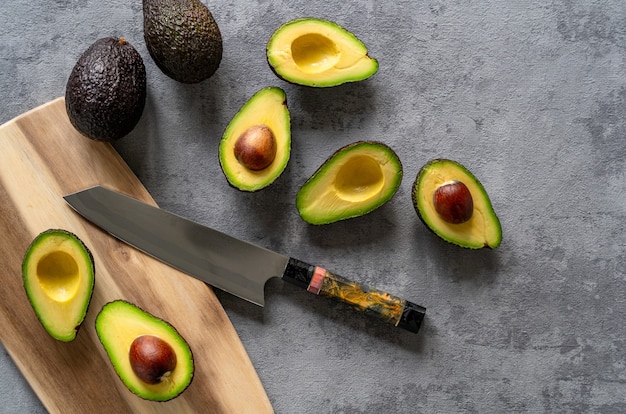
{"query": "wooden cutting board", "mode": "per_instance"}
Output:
(42, 158)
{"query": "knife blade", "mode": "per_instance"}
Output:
(225, 262)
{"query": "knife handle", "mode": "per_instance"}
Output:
(389, 308)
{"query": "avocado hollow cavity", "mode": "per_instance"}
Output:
(58, 276)
(359, 179)
(314, 53)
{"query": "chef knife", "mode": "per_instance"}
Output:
(227, 263)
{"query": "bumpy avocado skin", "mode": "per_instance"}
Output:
(45, 309)
(106, 91)
(182, 38)
(451, 233)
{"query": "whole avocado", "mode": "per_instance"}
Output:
(106, 90)
(182, 38)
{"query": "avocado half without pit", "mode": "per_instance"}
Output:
(454, 205)
(318, 53)
(256, 145)
(149, 355)
(58, 274)
(354, 181)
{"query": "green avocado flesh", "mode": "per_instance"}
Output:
(182, 38)
(105, 94)
(118, 324)
(267, 107)
(58, 274)
(483, 229)
(318, 53)
(354, 181)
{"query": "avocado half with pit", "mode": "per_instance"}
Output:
(455, 206)
(318, 53)
(354, 181)
(256, 145)
(58, 273)
(148, 354)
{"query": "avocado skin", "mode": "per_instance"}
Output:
(182, 38)
(106, 90)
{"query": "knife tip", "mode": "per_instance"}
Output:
(70, 195)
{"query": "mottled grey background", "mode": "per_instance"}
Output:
(529, 95)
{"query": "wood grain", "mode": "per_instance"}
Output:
(42, 158)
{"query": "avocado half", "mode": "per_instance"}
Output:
(267, 108)
(318, 53)
(58, 273)
(105, 93)
(118, 324)
(355, 180)
(482, 229)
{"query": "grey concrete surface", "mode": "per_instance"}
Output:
(529, 95)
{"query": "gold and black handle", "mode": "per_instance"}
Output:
(389, 308)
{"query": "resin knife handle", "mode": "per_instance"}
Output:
(389, 308)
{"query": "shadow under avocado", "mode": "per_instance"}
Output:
(461, 264)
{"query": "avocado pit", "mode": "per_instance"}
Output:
(256, 147)
(151, 359)
(453, 202)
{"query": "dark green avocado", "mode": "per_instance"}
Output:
(182, 38)
(106, 90)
